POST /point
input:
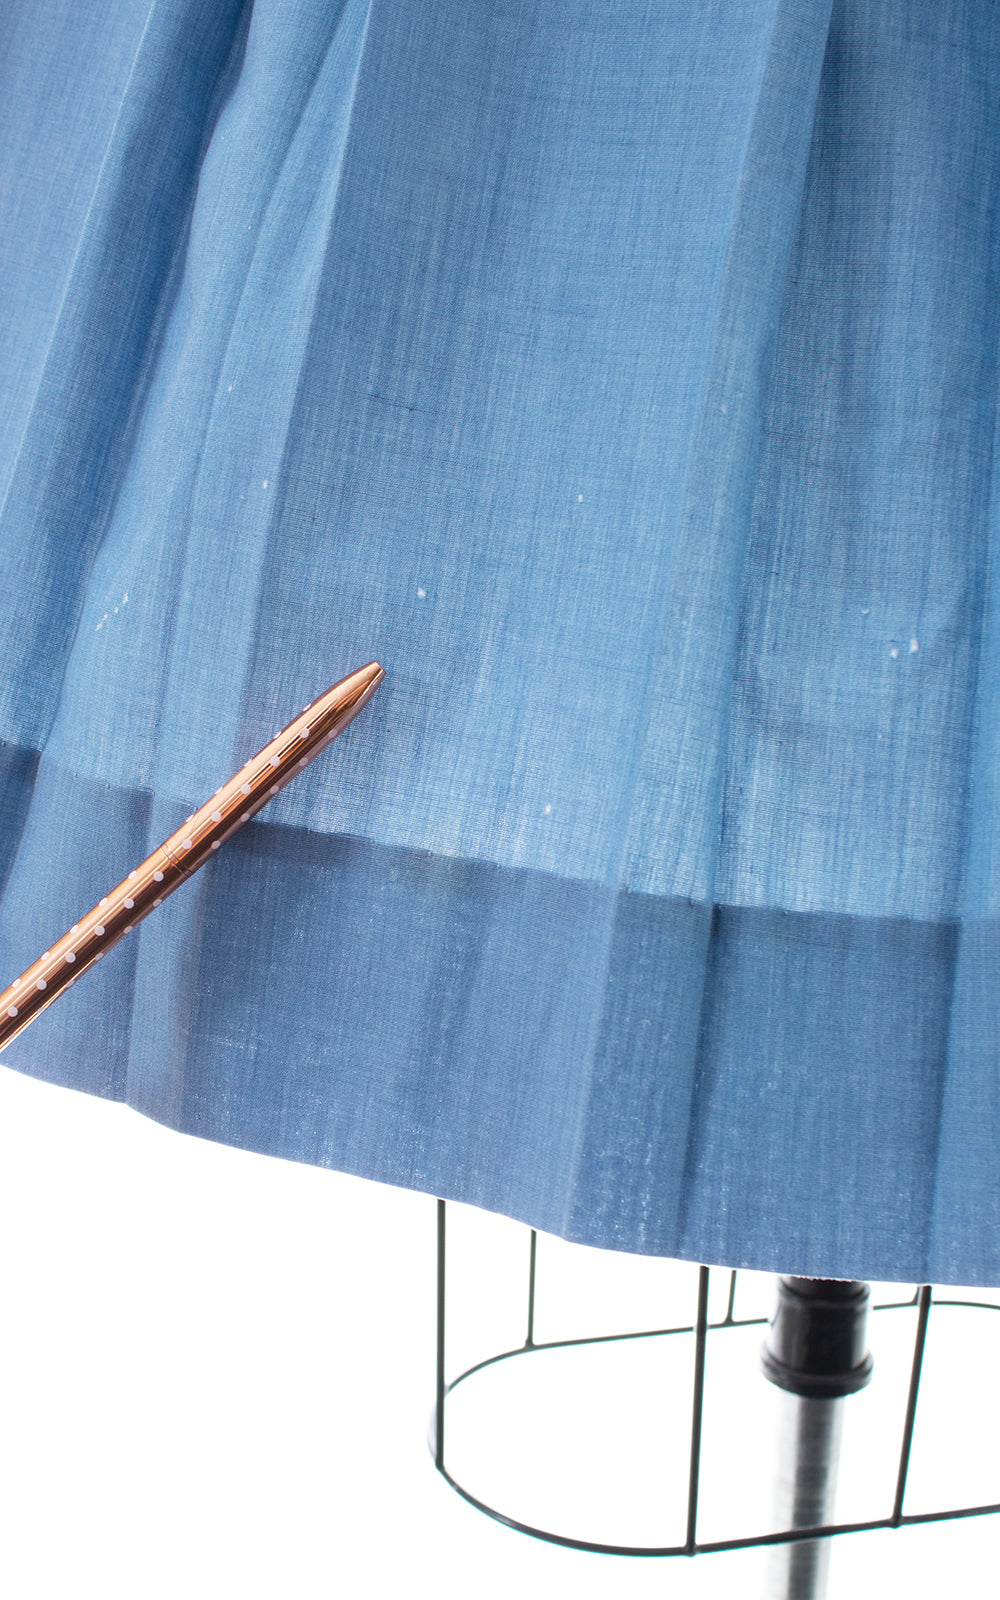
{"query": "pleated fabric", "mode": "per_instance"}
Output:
(623, 377)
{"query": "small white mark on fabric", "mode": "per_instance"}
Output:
(866, 611)
(264, 485)
(548, 811)
(229, 389)
(421, 594)
(579, 499)
(914, 646)
(894, 653)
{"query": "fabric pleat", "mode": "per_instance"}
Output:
(624, 378)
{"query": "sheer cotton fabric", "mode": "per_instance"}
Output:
(623, 377)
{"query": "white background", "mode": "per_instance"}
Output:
(218, 1370)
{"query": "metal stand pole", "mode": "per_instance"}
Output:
(816, 1354)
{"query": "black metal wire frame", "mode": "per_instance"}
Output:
(701, 1329)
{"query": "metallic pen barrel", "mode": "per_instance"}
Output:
(204, 832)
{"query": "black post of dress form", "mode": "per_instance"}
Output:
(816, 1353)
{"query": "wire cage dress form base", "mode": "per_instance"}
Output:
(624, 378)
(803, 1512)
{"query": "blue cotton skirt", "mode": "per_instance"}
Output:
(624, 378)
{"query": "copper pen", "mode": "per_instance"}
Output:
(148, 885)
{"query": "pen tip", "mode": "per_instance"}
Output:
(368, 678)
(357, 688)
